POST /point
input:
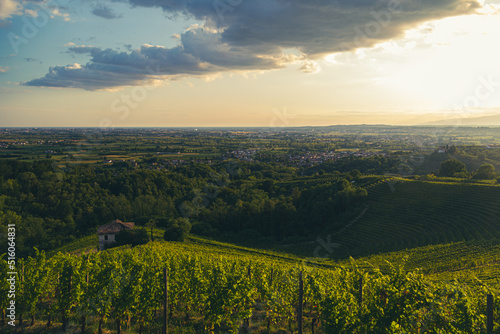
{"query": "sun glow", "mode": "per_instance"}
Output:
(448, 62)
(437, 65)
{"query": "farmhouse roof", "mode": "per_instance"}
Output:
(115, 227)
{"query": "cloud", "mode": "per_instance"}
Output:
(200, 54)
(110, 68)
(315, 26)
(56, 11)
(83, 49)
(105, 12)
(4, 69)
(251, 35)
(30, 60)
(8, 8)
(310, 66)
(30, 12)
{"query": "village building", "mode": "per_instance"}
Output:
(108, 232)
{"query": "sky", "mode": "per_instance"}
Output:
(271, 63)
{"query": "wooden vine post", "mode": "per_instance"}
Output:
(489, 313)
(246, 321)
(360, 295)
(165, 302)
(301, 302)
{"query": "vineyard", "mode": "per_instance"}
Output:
(215, 291)
(404, 214)
(467, 261)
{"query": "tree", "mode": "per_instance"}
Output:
(177, 229)
(133, 237)
(485, 172)
(152, 224)
(174, 233)
(355, 174)
(121, 207)
(453, 150)
(452, 167)
(182, 223)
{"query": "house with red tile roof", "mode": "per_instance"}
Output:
(108, 232)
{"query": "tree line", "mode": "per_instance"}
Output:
(51, 208)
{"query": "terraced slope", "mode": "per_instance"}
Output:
(467, 261)
(408, 214)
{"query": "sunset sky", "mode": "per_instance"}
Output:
(173, 63)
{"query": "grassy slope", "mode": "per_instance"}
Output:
(449, 230)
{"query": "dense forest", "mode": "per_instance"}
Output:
(246, 199)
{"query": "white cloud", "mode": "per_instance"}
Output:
(4, 69)
(56, 12)
(30, 12)
(310, 66)
(8, 8)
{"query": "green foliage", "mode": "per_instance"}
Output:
(133, 237)
(36, 276)
(485, 172)
(404, 214)
(177, 229)
(55, 208)
(221, 289)
(266, 198)
(452, 168)
(4, 284)
(453, 150)
(182, 223)
(174, 233)
(202, 228)
(355, 174)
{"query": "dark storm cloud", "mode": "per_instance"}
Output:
(314, 26)
(242, 35)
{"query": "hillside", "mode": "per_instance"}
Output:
(399, 215)
(443, 267)
(197, 245)
(463, 260)
(408, 214)
(466, 261)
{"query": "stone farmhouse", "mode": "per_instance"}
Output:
(108, 232)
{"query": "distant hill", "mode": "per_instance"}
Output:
(491, 120)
